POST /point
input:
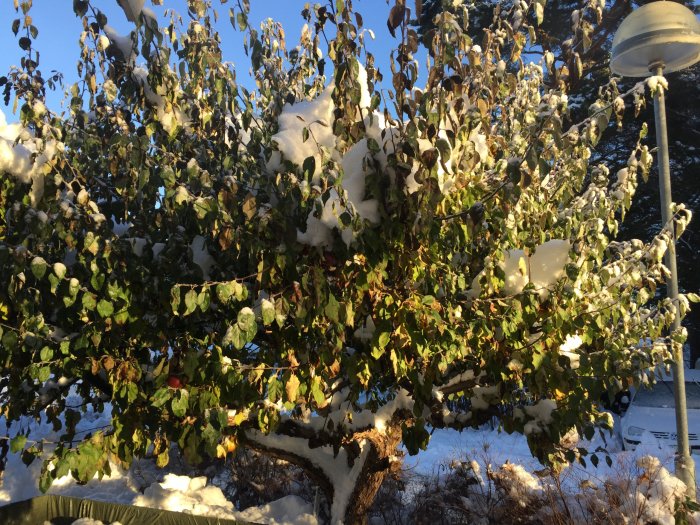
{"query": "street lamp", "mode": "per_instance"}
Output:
(657, 37)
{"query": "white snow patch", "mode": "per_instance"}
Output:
(541, 414)
(518, 483)
(25, 157)
(656, 81)
(483, 396)
(543, 268)
(169, 115)
(201, 256)
(317, 116)
(366, 331)
(659, 492)
(568, 349)
(124, 44)
(132, 8)
(288, 510)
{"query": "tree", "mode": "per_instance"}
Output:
(579, 34)
(298, 271)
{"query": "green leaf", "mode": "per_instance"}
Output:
(281, 311)
(54, 282)
(242, 20)
(309, 167)
(59, 269)
(17, 443)
(225, 291)
(45, 480)
(175, 299)
(234, 336)
(80, 7)
(416, 437)
(537, 358)
(377, 352)
(129, 391)
(384, 339)
(246, 322)
(97, 280)
(38, 267)
(161, 397)
(180, 403)
(89, 301)
(274, 388)
(29, 455)
(25, 43)
(105, 308)
(317, 391)
(46, 354)
(44, 374)
(190, 302)
(332, 308)
(267, 310)
(204, 300)
(73, 287)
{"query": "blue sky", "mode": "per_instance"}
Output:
(59, 30)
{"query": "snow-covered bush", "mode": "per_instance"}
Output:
(640, 492)
(301, 270)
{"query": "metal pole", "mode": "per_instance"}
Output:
(685, 466)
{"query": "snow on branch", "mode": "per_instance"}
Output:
(337, 472)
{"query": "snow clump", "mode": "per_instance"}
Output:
(568, 349)
(316, 116)
(543, 268)
(123, 44)
(656, 81)
(169, 115)
(26, 157)
(518, 484)
(541, 414)
(658, 492)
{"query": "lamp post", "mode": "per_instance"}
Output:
(663, 37)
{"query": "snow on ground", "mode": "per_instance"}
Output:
(486, 445)
(447, 445)
(142, 485)
(145, 485)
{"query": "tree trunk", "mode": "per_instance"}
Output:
(379, 461)
(377, 467)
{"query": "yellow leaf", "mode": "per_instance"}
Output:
(230, 444)
(238, 418)
(249, 207)
(220, 451)
(292, 388)
(522, 266)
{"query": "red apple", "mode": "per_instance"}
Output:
(174, 382)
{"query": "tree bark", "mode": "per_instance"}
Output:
(379, 462)
(378, 465)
